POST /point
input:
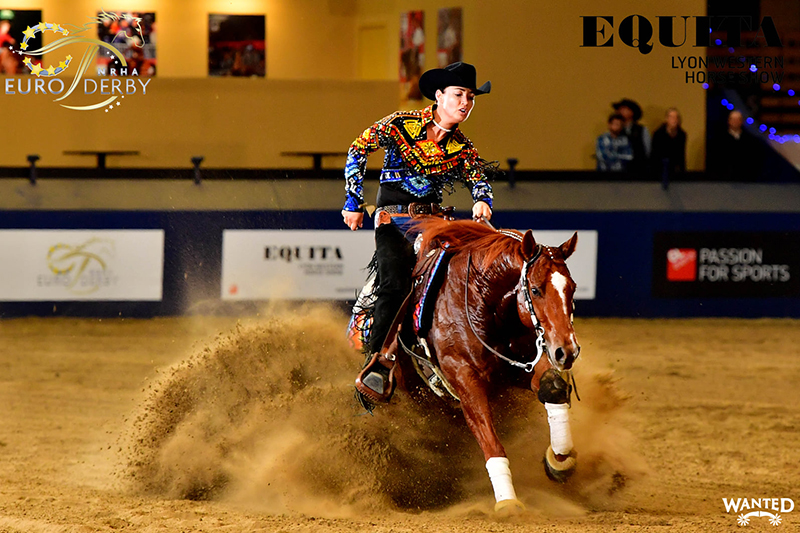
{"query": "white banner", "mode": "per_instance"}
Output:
(294, 264)
(582, 264)
(329, 264)
(77, 265)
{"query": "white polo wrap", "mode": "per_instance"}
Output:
(500, 474)
(560, 434)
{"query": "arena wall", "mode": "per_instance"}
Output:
(550, 100)
(631, 221)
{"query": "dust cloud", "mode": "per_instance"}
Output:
(265, 416)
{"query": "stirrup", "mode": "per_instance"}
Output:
(376, 380)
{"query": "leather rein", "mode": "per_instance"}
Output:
(524, 286)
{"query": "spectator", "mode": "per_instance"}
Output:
(737, 155)
(614, 151)
(669, 146)
(637, 134)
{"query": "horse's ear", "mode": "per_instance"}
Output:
(528, 244)
(568, 247)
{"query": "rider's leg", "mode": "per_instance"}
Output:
(395, 261)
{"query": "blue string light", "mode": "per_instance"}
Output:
(750, 120)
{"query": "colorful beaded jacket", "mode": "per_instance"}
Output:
(420, 166)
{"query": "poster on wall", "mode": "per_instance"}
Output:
(12, 23)
(412, 53)
(448, 31)
(237, 45)
(133, 33)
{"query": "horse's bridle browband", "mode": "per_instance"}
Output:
(525, 287)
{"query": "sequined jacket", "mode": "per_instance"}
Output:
(420, 166)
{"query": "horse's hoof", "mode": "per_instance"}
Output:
(559, 471)
(509, 507)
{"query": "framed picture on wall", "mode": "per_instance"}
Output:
(133, 33)
(12, 23)
(448, 32)
(412, 53)
(237, 45)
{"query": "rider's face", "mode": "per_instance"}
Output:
(454, 104)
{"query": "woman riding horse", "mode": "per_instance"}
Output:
(426, 153)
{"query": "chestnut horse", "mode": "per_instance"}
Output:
(503, 315)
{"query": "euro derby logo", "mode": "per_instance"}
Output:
(110, 89)
(734, 32)
(81, 269)
(751, 508)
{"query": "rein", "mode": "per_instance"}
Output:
(523, 285)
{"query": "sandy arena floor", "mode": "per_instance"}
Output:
(197, 424)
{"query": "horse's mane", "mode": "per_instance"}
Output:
(467, 236)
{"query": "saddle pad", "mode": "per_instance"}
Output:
(428, 276)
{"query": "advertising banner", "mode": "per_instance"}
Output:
(81, 265)
(294, 264)
(726, 264)
(330, 264)
(583, 262)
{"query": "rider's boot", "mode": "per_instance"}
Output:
(395, 258)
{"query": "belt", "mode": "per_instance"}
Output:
(415, 209)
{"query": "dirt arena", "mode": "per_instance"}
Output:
(209, 424)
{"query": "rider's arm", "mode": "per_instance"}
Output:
(356, 166)
(475, 175)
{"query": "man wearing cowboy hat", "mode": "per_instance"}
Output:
(637, 134)
(426, 153)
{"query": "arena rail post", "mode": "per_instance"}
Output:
(512, 174)
(32, 159)
(196, 160)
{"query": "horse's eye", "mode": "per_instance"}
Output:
(535, 291)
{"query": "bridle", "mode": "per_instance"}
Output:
(524, 286)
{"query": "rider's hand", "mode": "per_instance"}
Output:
(353, 220)
(481, 210)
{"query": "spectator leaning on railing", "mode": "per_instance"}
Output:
(637, 134)
(614, 151)
(669, 146)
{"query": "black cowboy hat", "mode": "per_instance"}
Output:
(458, 74)
(630, 104)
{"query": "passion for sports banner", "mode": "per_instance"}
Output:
(81, 265)
(726, 264)
(330, 264)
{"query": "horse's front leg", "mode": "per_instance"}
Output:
(472, 390)
(559, 460)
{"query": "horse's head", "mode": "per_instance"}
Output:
(544, 296)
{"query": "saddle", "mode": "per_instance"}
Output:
(428, 276)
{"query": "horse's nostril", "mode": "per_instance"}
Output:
(560, 355)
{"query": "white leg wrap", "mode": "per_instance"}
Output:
(560, 434)
(500, 474)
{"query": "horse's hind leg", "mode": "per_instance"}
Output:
(477, 411)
